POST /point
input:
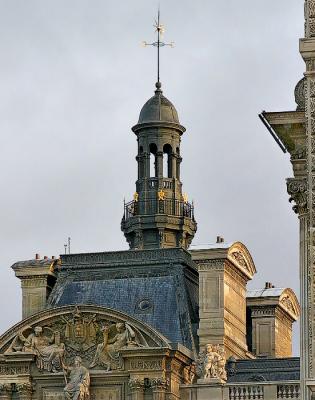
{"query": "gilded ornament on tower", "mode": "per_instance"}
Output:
(161, 195)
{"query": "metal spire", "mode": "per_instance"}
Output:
(159, 28)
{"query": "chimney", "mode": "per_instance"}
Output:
(220, 239)
(269, 285)
(37, 256)
(53, 257)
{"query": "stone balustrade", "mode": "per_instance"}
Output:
(242, 391)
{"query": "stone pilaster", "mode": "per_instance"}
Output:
(159, 386)
(222, 320)
(136, 389)
(5, 391)
(37, 280)
(24, 391)
(297, 189)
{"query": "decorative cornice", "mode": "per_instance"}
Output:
(210, 264)
(136, 384)
(24, 388)
(90, 260)
(159, 383)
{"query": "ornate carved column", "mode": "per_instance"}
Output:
(174, 165)
(5, 391)
(159, 164)
(307, 222)
(24, 391)
(159, 386)
(297, 189)
(136, 389)
(178, 162)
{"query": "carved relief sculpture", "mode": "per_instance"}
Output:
(78, 387)
(136, 384)
(115, 337)
(5, 390)
(80, 331)
(48, 349)
(24, 390)
(211, 363)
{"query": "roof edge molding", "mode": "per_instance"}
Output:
(239, 255)
(285, 298)
(290, 303)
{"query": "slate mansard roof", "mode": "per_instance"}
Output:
(264, 369)
(159, 287)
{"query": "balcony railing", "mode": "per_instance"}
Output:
(158, 183)
(288, 391)
(247, 391)
(168, 206)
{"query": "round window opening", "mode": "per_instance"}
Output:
(145, 305)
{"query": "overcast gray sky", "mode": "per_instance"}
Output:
(73, 78)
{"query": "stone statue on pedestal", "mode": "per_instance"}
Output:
(78, 387)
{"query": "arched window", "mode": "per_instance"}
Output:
(153, 166)
(167, 161)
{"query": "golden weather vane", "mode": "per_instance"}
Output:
(159, 28)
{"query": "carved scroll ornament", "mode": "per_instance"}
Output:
(297, 190)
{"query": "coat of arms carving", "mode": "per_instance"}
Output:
(80, 331)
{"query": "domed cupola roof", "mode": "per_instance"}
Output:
(158, 109)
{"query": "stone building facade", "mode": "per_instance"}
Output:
(159, 321)
(294, 131)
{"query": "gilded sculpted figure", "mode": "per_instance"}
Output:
(78, 387)
(115, 337)
(48, 349)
